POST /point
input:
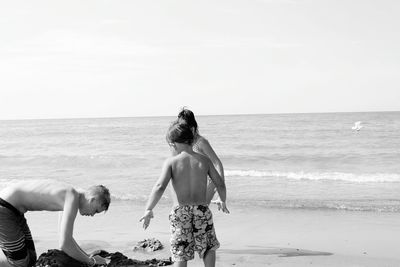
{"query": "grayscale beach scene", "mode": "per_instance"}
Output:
(298, 120)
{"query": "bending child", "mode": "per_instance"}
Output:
(15, 237)
(191, 221)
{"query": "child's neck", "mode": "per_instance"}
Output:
(183, 148)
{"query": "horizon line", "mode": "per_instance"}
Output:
(198, 115)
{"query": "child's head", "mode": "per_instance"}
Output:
(97, 199)
(187, 116)
(179, 132)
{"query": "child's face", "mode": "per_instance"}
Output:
(91, 207)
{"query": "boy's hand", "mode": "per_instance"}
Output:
(148, 215)
(221, 205)
(100, 261)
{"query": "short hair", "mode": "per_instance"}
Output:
(187, 116)
(180, 132)
(101, 193)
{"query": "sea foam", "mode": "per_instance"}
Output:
(332, 176)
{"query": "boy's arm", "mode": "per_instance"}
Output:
(218, 181)
(157, 192)
(67, 242)
(219, 184)
(207, 150)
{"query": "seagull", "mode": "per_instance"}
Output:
(357, 126)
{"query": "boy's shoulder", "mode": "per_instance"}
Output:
(201, 158)
(201, 140)
(183, 156)
(199, 155)
(172, 159)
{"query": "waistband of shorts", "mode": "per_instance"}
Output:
(10, 207)
(189, 205)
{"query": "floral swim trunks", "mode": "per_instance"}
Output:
(192, 230)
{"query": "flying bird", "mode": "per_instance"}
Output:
(357, 126)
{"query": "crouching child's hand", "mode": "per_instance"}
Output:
(98, 261)
(148, 215)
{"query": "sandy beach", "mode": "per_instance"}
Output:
(249, 236)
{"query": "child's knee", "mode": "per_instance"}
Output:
(25, 262)
(32, 257)
(180, 263)
(209, 253)
(21, 258)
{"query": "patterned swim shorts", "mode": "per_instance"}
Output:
(15, 236)
(192, 230)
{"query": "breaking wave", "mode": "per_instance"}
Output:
(316, 176)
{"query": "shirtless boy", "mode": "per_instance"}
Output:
(191, 222)
(15, 236)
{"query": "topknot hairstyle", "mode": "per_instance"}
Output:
(187, 116)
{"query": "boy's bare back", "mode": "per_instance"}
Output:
(36, 195)
(189, 172)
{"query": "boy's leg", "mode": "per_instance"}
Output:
(180, 263)
(182, 243)
(16, 253)
(3, 260)
(209, 258)
(30, 246)
(12, 239)
(206, 241)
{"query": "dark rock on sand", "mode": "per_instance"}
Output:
(150, 244)
(57, 258)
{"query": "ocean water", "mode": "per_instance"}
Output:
(289, 161)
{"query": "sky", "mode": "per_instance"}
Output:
(126, 58)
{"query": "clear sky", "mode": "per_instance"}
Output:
(63, 59)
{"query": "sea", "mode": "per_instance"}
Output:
(310, 161)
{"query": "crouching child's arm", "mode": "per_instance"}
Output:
(157, 192)
(67, 242)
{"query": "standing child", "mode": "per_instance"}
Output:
(202, 145)
(191, 221)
